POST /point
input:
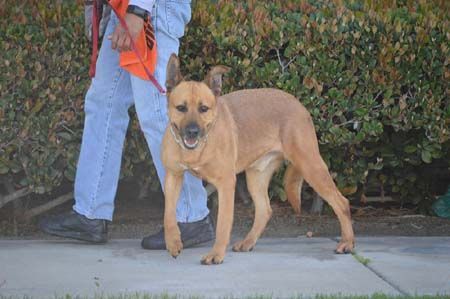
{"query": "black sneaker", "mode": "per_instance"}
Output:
(76, 226)
(192, 234)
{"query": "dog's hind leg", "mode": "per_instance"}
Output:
(293, 181)
(258, 180)
(301, 148)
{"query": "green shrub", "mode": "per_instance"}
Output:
(42, 88)
(373, 74)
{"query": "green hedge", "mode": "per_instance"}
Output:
(373, 74)
(42, 88)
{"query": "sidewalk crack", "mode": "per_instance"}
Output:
(379, 275)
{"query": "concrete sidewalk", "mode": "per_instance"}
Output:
(277, 267)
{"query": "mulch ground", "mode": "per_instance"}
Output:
(135, 218)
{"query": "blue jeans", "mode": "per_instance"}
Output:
(107, 101)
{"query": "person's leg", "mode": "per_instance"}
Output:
(169, 21)
(106, 121)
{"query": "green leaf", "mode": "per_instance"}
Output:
(3, 169)
(410, 149)
(426, 156)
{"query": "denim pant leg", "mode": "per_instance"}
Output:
(169, 19)
(106, 120)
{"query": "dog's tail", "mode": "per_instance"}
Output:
(293, 181)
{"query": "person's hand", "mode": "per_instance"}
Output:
(120, 39)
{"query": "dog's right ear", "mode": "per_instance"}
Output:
(173, 76)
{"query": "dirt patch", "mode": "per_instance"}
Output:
(135, 218)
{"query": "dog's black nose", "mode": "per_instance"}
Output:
(192, 130)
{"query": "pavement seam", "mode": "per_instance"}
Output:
(379, 275)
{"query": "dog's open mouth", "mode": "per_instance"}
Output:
(190, 143)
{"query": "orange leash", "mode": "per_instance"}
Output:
(96, 22)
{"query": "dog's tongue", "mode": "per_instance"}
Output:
(190, 141)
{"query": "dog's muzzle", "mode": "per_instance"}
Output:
(191, 135)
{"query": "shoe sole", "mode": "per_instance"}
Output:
(81, 236)
(197, 241)
(186, 244)
(203, 238)
(203, 235)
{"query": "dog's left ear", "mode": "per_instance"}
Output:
(173, 74)
(214, 78)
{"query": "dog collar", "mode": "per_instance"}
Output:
(177, 140)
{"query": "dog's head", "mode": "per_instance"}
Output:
(192, 105)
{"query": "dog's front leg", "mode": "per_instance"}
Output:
(172, 187)
(224, 221)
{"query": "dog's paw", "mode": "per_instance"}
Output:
(174, 247)
(344, 247)
(173, 242)
(212, 258)
(244, 245)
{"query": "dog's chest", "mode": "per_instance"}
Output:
(195, 170)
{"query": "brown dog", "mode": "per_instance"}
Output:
(249, 130)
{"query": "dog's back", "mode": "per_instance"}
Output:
(268, 104)
(261, 117)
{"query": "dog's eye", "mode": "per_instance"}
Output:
(182, 108)
(203, 108)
